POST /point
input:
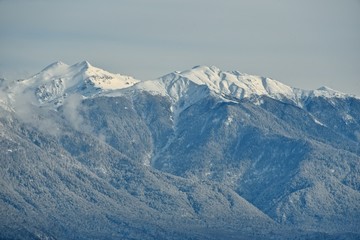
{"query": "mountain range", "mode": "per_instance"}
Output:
(195, 154)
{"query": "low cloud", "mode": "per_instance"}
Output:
(27, 110)
(71, 109)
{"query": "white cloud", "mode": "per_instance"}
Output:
(27, 110)
(71, 109)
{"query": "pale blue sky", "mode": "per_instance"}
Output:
(306, 44)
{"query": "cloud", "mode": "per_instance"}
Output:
(71, 110)
(3, 95)
(26, 108)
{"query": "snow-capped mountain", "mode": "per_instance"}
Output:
(59, 80)
(233, 85)
(195, 154)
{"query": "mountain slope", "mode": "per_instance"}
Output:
(198, 154)
(79, 177)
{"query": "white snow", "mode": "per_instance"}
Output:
(318, 122)
(324, 92)
(226, 84)
(348, 118)
(236, 84)
(152, 86)
(108, 81)
(228, 121)
(185, 88)
(59, 80)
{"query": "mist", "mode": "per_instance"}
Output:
(72, 113)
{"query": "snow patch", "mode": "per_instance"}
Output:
(228, 121)
(348, 118)
(318, 122)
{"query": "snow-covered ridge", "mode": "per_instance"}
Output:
(59, 80)
(191, 85)
(235, 84)
(325, 92)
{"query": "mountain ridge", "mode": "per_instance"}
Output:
(58, 80)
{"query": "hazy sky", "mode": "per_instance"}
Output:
(306, 44)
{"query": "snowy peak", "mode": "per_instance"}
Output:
(54, 66)
(328, 93)
(234, 85)
(187, 87)
(322, 92)
(105, 80)
(84, 64)
(229, 85)
(58, 80)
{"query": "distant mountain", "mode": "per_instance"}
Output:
(197, 154)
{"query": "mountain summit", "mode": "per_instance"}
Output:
(59, 80)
